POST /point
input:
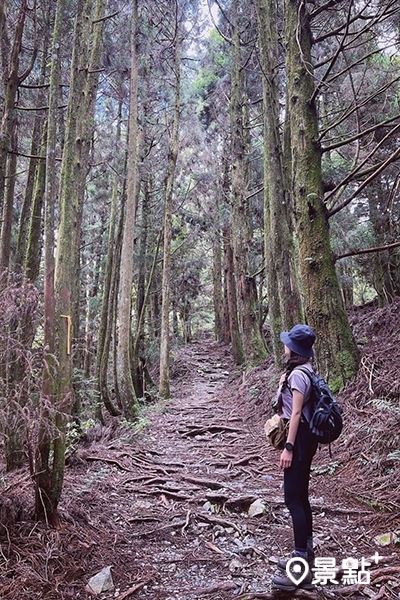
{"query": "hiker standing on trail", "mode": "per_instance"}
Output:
(295, 460)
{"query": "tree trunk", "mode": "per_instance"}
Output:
(110, 286)
(231, 301)
(385, 270)
(8, 206)
(44, 506)
(86, 65)
(253, 344)
(164, 389)
(27, 206)
(29, 243)
(11, 82)
(336, 351)
(218, 297)
(126, 391)
(58, 387)
(283, 294)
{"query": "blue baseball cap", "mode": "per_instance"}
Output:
(300, 340)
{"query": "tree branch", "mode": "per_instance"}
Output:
(352, 109)
(366, 251)
(357, 169)
(224, 37)
(333, 59)
(106, 17)
(358, 135)
(367, 181)
(324, 7)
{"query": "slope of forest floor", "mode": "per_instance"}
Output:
(190, 507)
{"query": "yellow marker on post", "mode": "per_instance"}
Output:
(69, 327)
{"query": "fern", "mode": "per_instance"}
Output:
(385, 405)
(395, 455)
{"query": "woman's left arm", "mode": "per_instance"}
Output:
(286, 456)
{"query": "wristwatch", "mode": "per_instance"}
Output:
(289, 447)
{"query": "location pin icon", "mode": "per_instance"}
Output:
(297, 569)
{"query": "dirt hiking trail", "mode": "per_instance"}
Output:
(191, 506)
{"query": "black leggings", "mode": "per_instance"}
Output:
(296, 480)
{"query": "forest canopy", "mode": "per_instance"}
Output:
(174, 168)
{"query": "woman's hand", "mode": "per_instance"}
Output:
(286, 459)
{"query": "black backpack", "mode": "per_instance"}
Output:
(326, 423)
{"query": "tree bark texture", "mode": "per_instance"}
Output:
(336, 351)
(253, 344)
(12, 80)
(110, 286)
(284, 300)
(79, 129)
(231, 300)
(46, 192)
(125, 387)
(27, 207)
(218, 296)
(164, 389)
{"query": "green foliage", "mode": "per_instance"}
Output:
(373, 503)
(254, 391)
(205, 82)
(395, 455)
(136, 427)
(390, 409)
(74, 433)
(346, 365)
(84, 389)
(329, 468)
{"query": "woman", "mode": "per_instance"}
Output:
(296, 458)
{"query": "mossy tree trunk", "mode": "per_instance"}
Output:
(164, 387)
(232, 317)
(246, 290)
(44, 507)
(284, 302)
(29, 243)
(218, 297)
(79, 129)
(11, 58)
(125, 388)
(12, 75)
(336, 350)
(110, 286)
(33, 251)
(231, 333)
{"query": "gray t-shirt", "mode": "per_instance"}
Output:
(297, 380)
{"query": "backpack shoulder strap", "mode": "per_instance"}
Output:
(310, 374)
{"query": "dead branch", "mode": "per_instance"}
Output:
(186, 522)
(367, 250)
(170, 494)
(380, 594)
(217, 521)
(246, 459)
(111, 461)
(105, 18)
(393, 157)
(143, 519)
(196, 430)
(132, 590)
(384, 573)
(214, 548)
(167, 527)
(213, 485)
